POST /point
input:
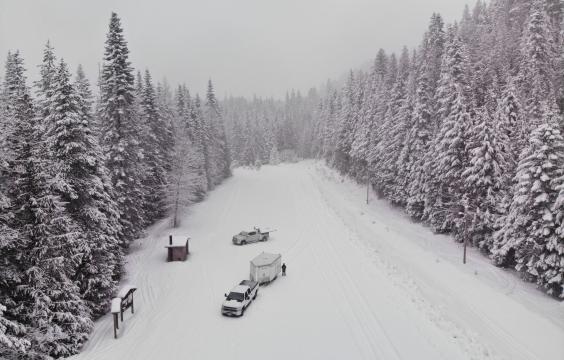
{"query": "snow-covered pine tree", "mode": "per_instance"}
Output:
(12, 343)
(11, 332)
(394, 128)
(166, 112)
(274, 156)
(206, 138)
(154, 145)
(331, 110)
(548, 265)
(202, 137)
(530, 224)
(186, 182)
(434, 44)
(12, 346)
(187, 134)
(509, 113)
(17, 113)
(344, 128)
(43, 86)
(555, 12)
(537, 75)
(47, 300)
(358, 168)
(530, 238)
(501, 53)
(402, 139)
(237, 138)
(419, 136)
(424, 121)
(509, 17)
(485, 179)
(317, 136)
(385, 72)
(444, 186)
(269, 142)
(185, 116)
(508, 117)
(251, 145)
(139, 86)
(547, 261)
(180, 103)
(220, 159)
(84, 91)
(85, 188)
(305, 148)
(120, 130)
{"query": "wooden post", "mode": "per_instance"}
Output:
(367, 188)
(176, 200)
(463, 216)
(169, 256)
(116, 325)
(464, 258)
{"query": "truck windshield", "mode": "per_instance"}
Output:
(235, 296)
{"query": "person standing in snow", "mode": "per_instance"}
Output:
(284, 269)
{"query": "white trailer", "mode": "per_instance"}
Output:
(265, 267)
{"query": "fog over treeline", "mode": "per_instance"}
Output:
(249, 47)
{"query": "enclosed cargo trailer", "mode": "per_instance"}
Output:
(265, 267)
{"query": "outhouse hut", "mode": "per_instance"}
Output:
(178, 249)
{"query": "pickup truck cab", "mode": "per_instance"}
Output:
(239, 298)
(247, 237)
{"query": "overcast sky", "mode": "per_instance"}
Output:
(247, 47)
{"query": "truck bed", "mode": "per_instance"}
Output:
(251, 284)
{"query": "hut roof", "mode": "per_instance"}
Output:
(265, 259)
(178, 242)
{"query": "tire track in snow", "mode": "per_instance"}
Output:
(466, 340)
(347, 278)
(369, 332)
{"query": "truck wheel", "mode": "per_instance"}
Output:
(243, 242)
(254, 297)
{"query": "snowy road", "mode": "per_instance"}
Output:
(363, 283)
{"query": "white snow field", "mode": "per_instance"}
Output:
(364, 282)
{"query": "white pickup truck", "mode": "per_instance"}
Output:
(247, 237)
(239, 298)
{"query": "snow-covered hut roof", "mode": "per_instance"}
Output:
(178, 241)
(265, 259)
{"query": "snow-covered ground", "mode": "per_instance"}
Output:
(363, 283)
